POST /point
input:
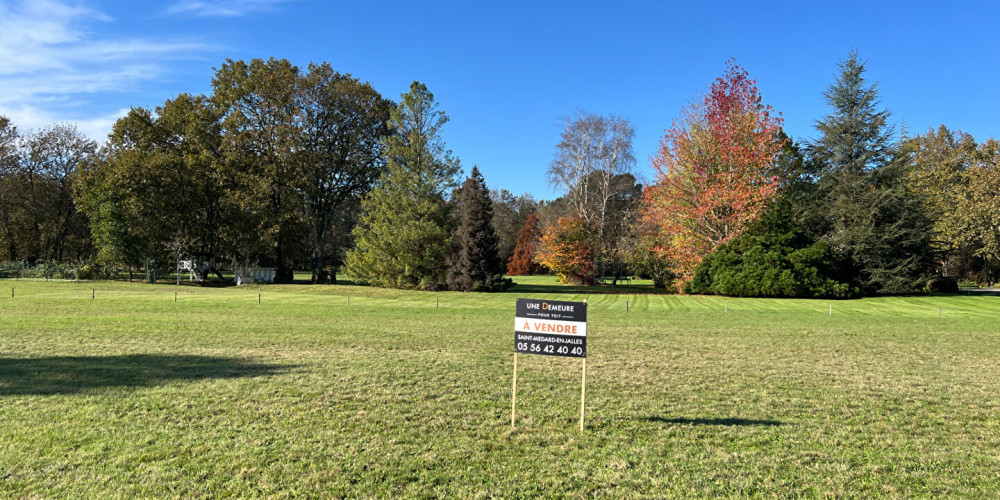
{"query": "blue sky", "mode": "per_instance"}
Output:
(506, 72)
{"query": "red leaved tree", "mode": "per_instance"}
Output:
(528, 241)
(566, 250)
(716, 170)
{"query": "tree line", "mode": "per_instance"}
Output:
(294, 168)
(739, 208)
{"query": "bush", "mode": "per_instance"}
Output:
(774, 259)
(95, 271)
(13, 269)
(51, 270)
(83, 270)
(493, 284)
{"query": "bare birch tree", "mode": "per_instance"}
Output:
(593, 153)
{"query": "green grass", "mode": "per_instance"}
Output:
(131, 394)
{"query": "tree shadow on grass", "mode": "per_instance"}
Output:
(724, 422)
(77, 374)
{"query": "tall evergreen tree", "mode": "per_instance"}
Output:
(862, 205)
(856, 138)
(403, 236)
(474, 264)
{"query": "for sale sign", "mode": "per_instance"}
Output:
(551, 327)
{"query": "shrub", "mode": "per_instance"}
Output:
(774, 259)
(13, 269)
(95, 271)
(82, 270)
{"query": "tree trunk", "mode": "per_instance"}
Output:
(12, 248)
(284, 272)
(319, 275)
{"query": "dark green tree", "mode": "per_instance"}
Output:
(474, 264)
(774, 259)
(862, 205)
(158, 180)
(403, 236)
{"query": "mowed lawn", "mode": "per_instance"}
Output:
(133, 394)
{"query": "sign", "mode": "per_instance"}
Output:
(551, 327)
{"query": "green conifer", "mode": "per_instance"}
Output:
(862, 205)
(474, 264)
(403, 236)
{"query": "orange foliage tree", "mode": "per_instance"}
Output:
(567, 251)
(523, 261)
(716, 170)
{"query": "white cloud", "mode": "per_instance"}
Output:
(28, 118)
(53, 65)
(223, 8)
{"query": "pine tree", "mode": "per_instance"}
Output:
(523, 262)
(856, 138)
(862, 205)
(403, 236)
(474, 264)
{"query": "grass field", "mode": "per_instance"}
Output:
(132, 394)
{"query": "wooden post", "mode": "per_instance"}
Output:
(175, 296)
(831, 310)
(583, 388)
(258, 298)
(583, 393)
(727, 306)
(513, 394)
(626, 306)
(93, 293)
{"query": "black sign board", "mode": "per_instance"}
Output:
(551, 327)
